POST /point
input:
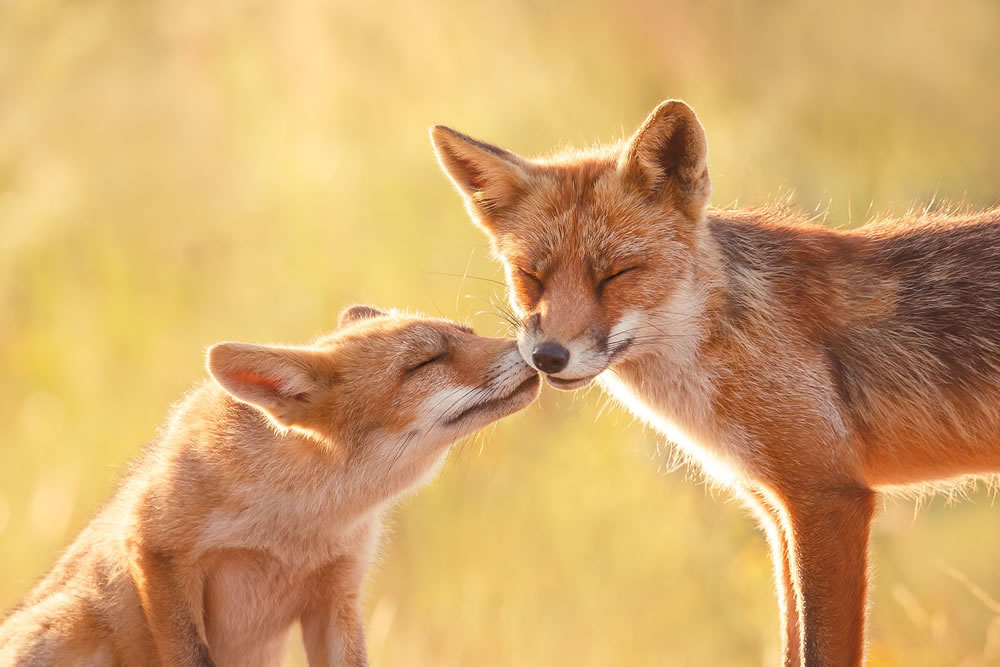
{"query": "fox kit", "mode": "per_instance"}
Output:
(805, 368)
(260, 503)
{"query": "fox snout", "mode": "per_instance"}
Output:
(573, 361)
(550, 357)
(567, 363)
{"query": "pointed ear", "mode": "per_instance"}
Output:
(353, 314)
(667, 156)
(490, 177)
(278, 380)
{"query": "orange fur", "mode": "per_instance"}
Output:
(805, 367)
(259, 504)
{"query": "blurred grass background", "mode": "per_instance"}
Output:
(174, 173)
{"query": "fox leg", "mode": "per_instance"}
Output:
(334, 636)
(788, 609)
(332, 626)
(830, 531)
(167, 612)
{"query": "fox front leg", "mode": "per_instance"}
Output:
(830, 534)
(167, 613)
(334, 635)
(773, 524)
(332, 626)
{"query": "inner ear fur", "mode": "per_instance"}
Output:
(490, 177)
(281, 381)
(668, 157)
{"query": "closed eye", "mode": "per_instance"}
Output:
(425, 363)
(604, 282)
(530, 276)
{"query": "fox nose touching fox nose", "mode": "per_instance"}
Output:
(550, 357)
(571, 359)
(565, 365)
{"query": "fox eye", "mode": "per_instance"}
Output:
(604, 282)
(530, 276)
(531, 286)
(424, 363)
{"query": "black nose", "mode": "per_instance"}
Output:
(550, 357)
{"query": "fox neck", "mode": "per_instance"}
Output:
(342, 482)
(669, 381)
(395, 471)
(739, 329)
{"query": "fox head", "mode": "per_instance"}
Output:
(596, 246)
(388, 390)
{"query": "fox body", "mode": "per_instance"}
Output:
(260, 503)
(804, 367)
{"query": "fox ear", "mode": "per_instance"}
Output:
(667, 156)
(353, 314)
(278, 380)
(490, 177)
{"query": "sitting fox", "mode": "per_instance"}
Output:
(260, 503)
(804, 367)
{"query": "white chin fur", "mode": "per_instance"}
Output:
(569, 385)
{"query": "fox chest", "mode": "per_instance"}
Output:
(295, 530)
(739, 422)
(681, 407)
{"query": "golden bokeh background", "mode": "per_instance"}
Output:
(178, 172)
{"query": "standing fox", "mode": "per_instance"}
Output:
(805, 368)
(260, 503)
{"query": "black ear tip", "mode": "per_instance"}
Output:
(673, 108)
(441, 132)
(356, 313)
(676, 103)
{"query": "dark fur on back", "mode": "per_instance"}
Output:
(906, 311)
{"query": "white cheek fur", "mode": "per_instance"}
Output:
(437, 407)
(625, 329)
(500, 378)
